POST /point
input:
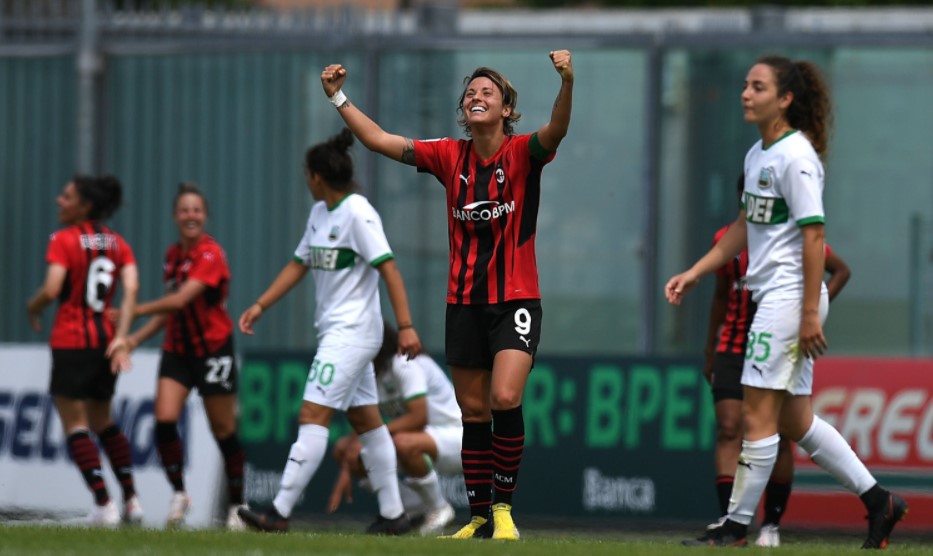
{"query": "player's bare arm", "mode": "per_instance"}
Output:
(118, 349)
(146, 331)
(46, 294)
(812, 342)
(343, 490)
(839, 274)
(367, 131)
(408, 153)
(129, 279)
(552, 133)
(730, 245)
(175, 301)
(408, 342)
(414, 419)
(288, 277)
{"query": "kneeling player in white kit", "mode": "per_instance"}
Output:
(418, 400)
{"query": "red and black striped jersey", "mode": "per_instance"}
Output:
(739, 306)
(94, 255)
(492, 213)
(202, 326)
(740, 310)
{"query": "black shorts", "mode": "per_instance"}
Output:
(727, 376)
(82, 374)
(476, 333)
(213, 375)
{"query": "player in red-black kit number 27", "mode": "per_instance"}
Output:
(197, 351)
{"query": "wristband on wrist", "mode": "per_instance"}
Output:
(261, 306)
(405, 325)
(338, 99)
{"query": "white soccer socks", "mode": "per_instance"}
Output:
(831, 452)
(429, 489)
(378, 454)
(303, 461)
(751, 476)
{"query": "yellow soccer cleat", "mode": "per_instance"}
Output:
(504, 527)
(477, 528)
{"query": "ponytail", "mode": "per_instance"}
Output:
(331, 160)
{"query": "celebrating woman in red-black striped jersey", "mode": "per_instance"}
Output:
(493, 183)
(197, 350)
(85, 261)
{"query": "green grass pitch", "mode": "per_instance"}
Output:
(60, 541)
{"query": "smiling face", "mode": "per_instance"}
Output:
(761, 103)
(190, 216)
(482, 104)
(72, 209)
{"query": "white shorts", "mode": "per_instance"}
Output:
(772, 355)
(448, 441)
(342, 376)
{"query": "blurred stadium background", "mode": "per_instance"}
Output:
(227, 94)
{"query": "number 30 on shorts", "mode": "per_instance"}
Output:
(760, 344)
(321, 372)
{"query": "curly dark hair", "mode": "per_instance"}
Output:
(509, 98)
(811, 110)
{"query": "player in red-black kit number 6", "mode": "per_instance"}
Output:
(493, 183)
(85, 261)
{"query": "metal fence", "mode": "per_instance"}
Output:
(231, 99)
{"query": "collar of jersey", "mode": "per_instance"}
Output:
(781, 138)
(338, 203)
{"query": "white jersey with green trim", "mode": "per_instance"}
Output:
(342, 246)
(783, 192)
(419, 377)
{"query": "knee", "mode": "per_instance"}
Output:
(791, 432)
(367, 421)
(473, 408)
(222, 430)
(358, 419)
(405, 448)
(729, 430)
(103, 428)
(506, 398)
(314, 414)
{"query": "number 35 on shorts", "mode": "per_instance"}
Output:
(758, 347)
